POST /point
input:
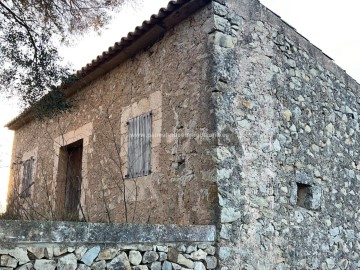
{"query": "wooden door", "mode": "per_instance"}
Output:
(73, 181)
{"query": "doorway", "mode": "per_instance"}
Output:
(69, 185)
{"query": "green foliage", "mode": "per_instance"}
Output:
(31, 30)
(51, 104)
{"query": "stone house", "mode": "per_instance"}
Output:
(243, 123)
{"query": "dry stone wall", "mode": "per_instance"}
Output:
(198, 256)
(288, 153)
(84, 246)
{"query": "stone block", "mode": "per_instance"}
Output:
(156, 114)
(155, 266)
(27, 266)
(162, 256)
(136, 110)
(144, 105)
(199, 255)
(314, 202)
(191, 248)
(210, 250)
(68, 262)
(229, 214)
(135, 257)
(176, 266)
(80, 251)
(224, 253)
(20, 254)
(4, 251)
(303, 178)
(58, 251)
(107, 254)
(43, 264)
(167, 266)
(211, 262)
(199, 266)
(140, 267)
(221, 24)
(150, 256)
(173, 254)
(162, 248)
(223, 40)
(156, 134)
(100, 265)
(36, 252)
(181, 260)
(8, 261)
(220, 9)
(83, 267)
(49, 252)
(90, 255)
(120, 262)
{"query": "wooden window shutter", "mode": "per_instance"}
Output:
(139, 145)
(27, 177)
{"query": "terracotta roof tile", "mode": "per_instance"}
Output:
(139, 30)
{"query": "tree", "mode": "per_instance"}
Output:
(31, 30)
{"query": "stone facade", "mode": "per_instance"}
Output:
(281, 177)
(180, 188)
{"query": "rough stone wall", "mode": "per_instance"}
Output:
(288, 157)
(47, 246)
(181, 188)
(179, 256)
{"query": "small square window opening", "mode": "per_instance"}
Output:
(303, 192)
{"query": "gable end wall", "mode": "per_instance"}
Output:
(289, 121)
